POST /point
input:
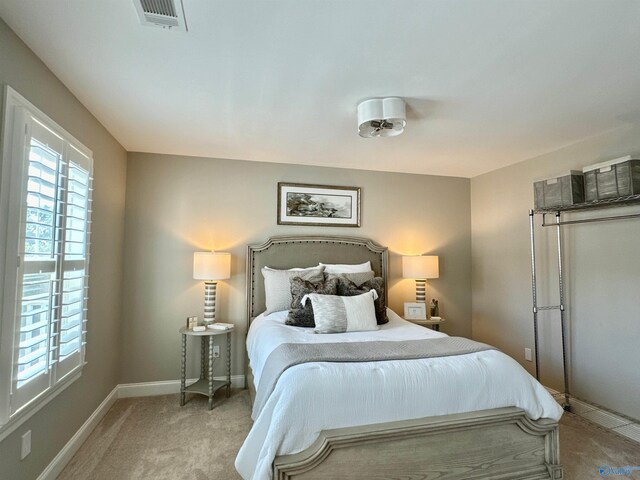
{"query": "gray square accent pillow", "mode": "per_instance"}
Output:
(347, 288)
(302, 315)
(277, 287)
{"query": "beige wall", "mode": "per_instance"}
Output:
(177, 205)
(54, 424)
(603, 277)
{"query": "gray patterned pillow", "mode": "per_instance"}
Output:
(347, 288)
(302, 315)
(356, 277)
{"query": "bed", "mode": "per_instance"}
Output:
(474, 416)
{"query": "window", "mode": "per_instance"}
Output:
(45, 207)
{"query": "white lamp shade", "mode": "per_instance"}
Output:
(211, 265)
(420, 266)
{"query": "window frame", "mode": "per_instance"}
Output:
(12, 173)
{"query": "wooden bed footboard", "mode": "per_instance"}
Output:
(489, 444)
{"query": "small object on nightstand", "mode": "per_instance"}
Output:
(192, 322)
(220, 326)
(415, 311)
(199, 328)
(206, 384)
(434, 309)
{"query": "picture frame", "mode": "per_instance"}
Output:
(318, 205)
(192, 322)
(415, 311)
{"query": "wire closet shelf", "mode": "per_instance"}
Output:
(558, 223)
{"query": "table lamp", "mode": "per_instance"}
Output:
(211, 267)
(420, 268)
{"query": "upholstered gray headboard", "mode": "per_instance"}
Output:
(306, 251)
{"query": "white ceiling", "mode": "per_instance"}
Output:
(488, 83)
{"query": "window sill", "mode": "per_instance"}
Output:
(31, 409)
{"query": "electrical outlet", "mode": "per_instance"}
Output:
(527, 354)
(26, 445)
(216, 351)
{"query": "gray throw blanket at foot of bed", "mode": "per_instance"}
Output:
(290, 354)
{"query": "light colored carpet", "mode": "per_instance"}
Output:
(155, 438)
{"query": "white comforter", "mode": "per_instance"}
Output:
(312, 397)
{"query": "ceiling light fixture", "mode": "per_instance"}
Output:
(381, 117)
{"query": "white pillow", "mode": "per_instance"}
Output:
(334, 314)
(277, 285)
(356, 277)
(294, 269)
(346, 268)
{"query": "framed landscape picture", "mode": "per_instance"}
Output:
(302, 204)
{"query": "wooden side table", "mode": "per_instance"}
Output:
(205, 385)
(433, 324)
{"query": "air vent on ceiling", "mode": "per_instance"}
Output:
(167, 14)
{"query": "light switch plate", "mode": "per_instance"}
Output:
(527, 355)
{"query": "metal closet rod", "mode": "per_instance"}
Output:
(591, 220)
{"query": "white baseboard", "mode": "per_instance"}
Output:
(125, 390)
(166, 387)
(237, 381)
(68, 451)
(149, 389)
(607, 419)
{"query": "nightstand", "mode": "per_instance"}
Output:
(433, 324)
(205, 385)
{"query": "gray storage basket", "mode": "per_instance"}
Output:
(560, 191)
(612, 180)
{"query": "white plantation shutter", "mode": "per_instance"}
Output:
(75, 264)
(45, 303)
(37, 259)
